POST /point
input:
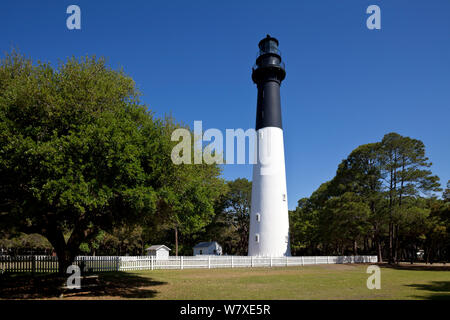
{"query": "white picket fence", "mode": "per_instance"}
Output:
(209, 262)
(44, 264)
(125, 263)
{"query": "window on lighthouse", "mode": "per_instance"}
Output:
(258, 217)
(257, 237)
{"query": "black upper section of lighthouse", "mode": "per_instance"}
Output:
(268, 73)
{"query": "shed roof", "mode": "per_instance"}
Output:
(157, 247)
(205, 244)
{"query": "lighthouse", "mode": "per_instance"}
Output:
(269, 221)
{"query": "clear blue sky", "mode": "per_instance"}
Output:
(345, 85)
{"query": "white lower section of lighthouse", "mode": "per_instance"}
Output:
(269, 220)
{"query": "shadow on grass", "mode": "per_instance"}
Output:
(437, 290)
(106, 285)
(416, 267)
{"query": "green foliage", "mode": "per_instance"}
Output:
(230, 224)
(187, 192)
(376, 198)
(345, 218)
(304, 225)
(17, 243)
(237, 208)
(79, 153)
(446, 194)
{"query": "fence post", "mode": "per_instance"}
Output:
(33, 265)
(209, 262)
(271, 261)
(251, 258)
(181, 262)
(315, 259)
(328, 259)
(232, 265)
(286, 261)
(152, 262)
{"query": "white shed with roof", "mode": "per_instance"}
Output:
(158, 251)
(207, 248)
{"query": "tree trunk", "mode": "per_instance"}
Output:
(56, 238)
(67, 251)
(391, 188)
(396, 245)
(355, 248)
(379, 251)
(65, 259)
(176, 241)
(391, 247)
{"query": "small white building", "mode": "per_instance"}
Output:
(207, 248)
(158, 251)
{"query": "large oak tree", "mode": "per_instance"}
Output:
(79, 152)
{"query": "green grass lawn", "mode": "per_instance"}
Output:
(308, 282)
